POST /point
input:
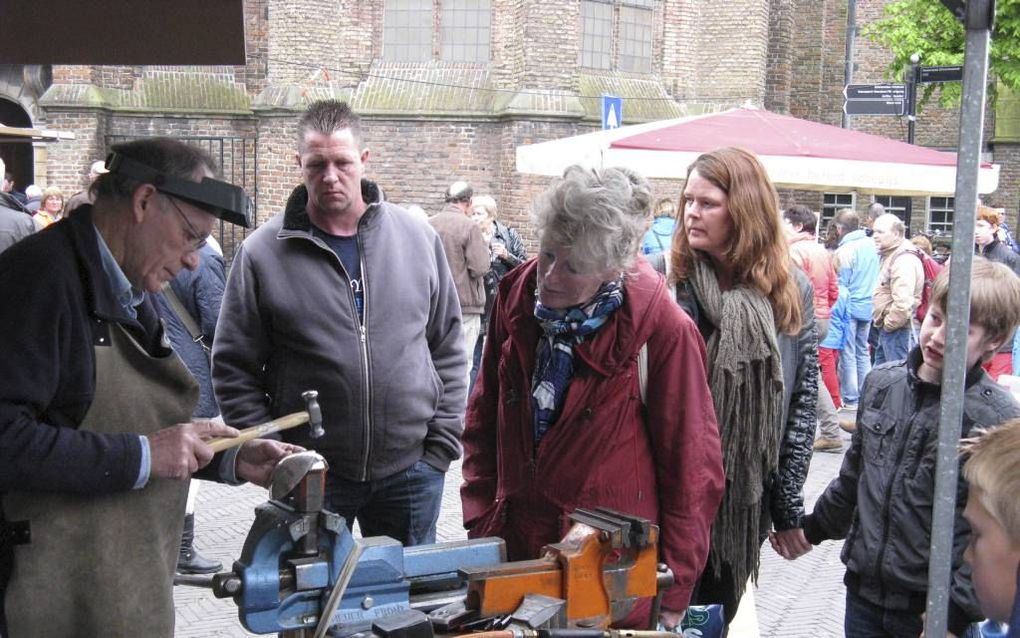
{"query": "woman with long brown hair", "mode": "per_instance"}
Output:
(733, 275)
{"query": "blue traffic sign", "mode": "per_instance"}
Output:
(612, 111)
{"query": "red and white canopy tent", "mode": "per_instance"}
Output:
(797, 153)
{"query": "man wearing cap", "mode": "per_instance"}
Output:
(351, 295)
(468, 255)
(96, 169)
(96, 436)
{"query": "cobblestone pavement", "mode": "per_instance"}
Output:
(793, 599)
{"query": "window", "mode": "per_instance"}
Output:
(629, 22)
(464, 30)
(596, 34)
(940, 215)
(899, 206)
(635, 40)
(831, 203)
(411, 33)
(407, 30)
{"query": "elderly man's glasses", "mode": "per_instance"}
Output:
(197, 239)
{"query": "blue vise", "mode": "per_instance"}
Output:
(294, 554)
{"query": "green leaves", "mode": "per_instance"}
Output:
(927, 28)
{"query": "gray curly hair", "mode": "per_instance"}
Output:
(600, 215)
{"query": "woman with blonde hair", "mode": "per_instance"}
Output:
(51, 205)
(734, 276)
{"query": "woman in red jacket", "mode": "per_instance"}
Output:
(557, 420)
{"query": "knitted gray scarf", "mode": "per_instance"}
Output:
(746, 380)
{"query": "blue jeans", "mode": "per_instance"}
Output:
(866, 620)
(854, 361)
(894, 345)
(404, 506)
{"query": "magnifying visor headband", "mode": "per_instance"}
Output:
(218, 198)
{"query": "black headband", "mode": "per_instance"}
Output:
(218, 198)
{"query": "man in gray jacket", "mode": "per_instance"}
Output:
(15, 224)
(351, 296)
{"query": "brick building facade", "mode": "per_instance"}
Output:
(517, 71)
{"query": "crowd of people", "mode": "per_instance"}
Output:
(687, 353)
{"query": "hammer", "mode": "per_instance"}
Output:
(311, 415)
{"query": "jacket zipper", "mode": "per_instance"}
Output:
(886, 516)
(366, 394)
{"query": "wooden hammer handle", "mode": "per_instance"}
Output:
(254, 432)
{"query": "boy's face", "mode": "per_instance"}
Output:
(933, 344)
(994, 559)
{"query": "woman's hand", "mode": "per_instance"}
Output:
(790, 543)
(670, 620)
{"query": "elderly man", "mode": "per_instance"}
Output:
(467, 252)
(96, 436)
(900, 283)
(351, 295)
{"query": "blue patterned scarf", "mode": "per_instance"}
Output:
(554, 357)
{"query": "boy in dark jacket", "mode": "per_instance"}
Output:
(881, 502)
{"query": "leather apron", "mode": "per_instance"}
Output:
(104, 565)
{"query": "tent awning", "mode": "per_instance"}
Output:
(796, 153)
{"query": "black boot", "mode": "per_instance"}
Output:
(190, 561)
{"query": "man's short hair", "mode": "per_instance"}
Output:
(800, 214)
(327, 117)
(459, 192)
(987, 214)
(162, 154)
(875, 210)
(896, 224)
(992, 472)
(847, 220)
(994, 296)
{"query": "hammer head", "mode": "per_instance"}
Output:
(311, 398)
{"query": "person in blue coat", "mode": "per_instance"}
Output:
(659, 237)
(857, 266)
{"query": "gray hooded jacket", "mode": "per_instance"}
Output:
(392, 389)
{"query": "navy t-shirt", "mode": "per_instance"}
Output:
(346, 248)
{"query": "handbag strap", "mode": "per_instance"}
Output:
(182, 313)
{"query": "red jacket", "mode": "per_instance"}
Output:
(816, 263)
(602, 451)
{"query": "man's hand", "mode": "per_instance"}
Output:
(257, 458)
(180, 450)
(499, 250)
(790, 544)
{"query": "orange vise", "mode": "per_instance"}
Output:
(605, 563)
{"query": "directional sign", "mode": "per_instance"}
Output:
(932, 74)
(875, 99)
(612, 111)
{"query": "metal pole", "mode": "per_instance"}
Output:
(975, 75)
(911, 82)
(851, 37)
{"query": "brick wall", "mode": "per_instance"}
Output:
(551, 44)
(304, 36)
(68, 162)
(732, 43)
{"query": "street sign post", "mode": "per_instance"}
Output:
(875, 99)
(612, 112)
(934, 74)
